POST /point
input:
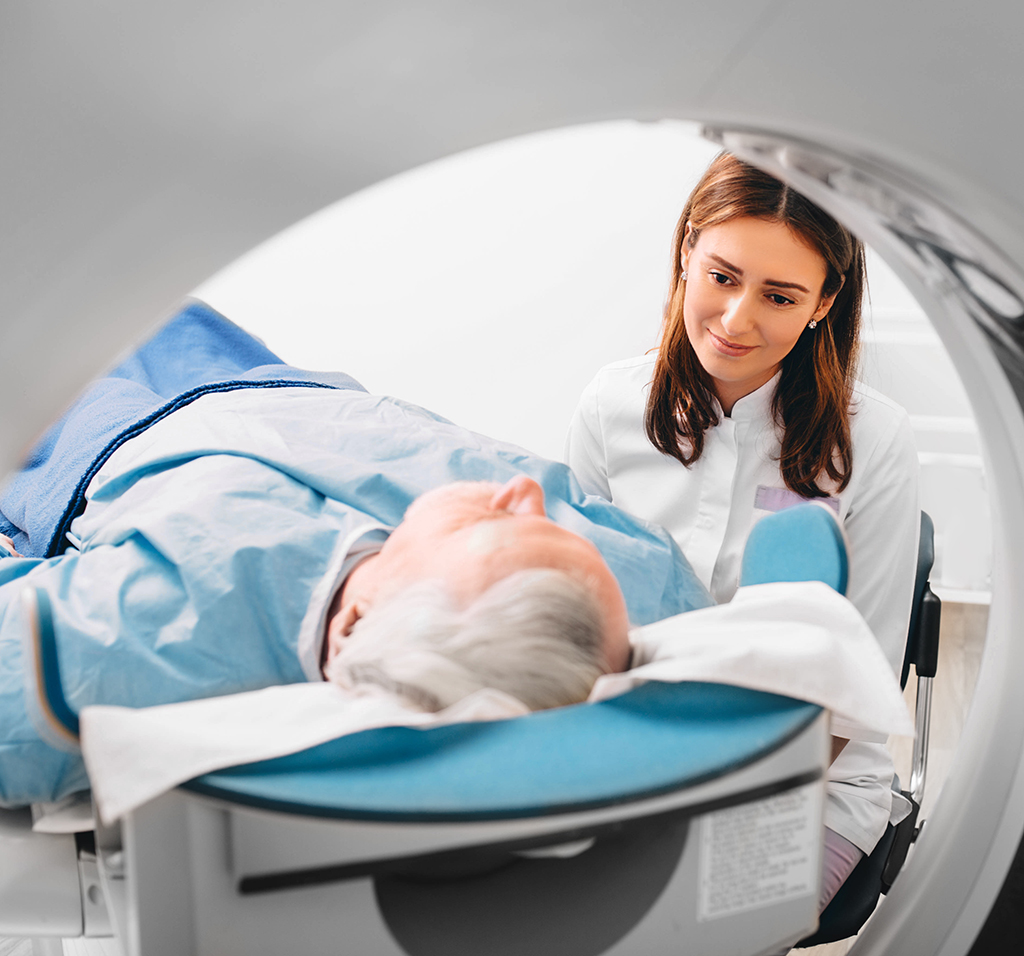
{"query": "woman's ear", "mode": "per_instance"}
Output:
(827, 301)
(684, 246)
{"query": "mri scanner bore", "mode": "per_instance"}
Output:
(148, 146)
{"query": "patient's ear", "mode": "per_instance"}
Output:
(520, 496)
(338, 628)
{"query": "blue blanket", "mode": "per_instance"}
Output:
(197, 352)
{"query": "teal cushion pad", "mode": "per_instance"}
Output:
(655, 739)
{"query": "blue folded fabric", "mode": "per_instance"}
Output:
(802, 543)
(196, 352)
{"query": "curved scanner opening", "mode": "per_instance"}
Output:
(970, 292)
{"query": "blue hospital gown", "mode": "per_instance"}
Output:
(212, 541)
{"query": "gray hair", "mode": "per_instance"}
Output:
(537, 635)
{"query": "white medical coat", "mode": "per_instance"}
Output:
(710, 508)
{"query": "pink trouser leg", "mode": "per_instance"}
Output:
(841, 856)
(838, 860)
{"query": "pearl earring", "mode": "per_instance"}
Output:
(682, 275)
(813, 324)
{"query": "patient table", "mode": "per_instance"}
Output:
(678, 818)
(675, 818)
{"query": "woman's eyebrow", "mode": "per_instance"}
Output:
(787, 285)
(725, 263)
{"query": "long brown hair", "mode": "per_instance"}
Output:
(812, 399)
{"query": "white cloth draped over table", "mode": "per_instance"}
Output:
(800, 640)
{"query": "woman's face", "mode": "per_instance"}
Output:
(752, 288)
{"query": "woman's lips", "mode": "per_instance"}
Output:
(730, 348)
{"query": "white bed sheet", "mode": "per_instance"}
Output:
(800, 640)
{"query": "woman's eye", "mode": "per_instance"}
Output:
(720, 277)
(779, 299)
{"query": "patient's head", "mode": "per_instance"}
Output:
(461, 571)
(536, 635)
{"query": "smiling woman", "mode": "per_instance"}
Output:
(802, 267)
(740, 321)
(748, 406)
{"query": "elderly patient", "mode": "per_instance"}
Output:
(477, 587)
(206, 520)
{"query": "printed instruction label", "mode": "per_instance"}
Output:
(759, 853)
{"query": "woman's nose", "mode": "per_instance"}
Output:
(738, 315)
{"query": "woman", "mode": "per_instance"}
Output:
(749, 405)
